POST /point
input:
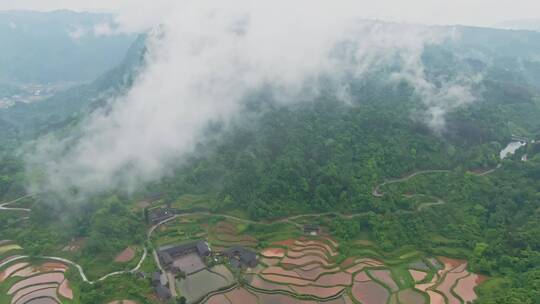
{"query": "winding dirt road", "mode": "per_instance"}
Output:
(3, 205)
(376, 192)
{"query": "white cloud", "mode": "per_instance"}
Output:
(77, 33)
(103, 29)
(204, 58)
(469, 12)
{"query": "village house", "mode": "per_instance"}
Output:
(187, 258)
(158, 215)
(241, 257)
(159, 286)
(312, 229)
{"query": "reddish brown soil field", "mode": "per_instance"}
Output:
(26, 272)
(269, 262)
(285, 280)
(42, 301)
(65, 290)
(218, 299)
(279, 299)
(298, 252)
(357, 268)
(53, 277)
(449, 281)
(334, 279)
(362, 277)
(125, 256)
(7, 258)
(435, 298)
(369, 261)
(450, 263)
(46, 267)
(425, 286)
(273, 252)
(42, 293)
(348, 262)
(320, 244)
(257, 282)
(460, 268)
(310, 259)
(344, 299)
(24, 291)
(319, 292)
(280, 271)
(308, 267)
(53, 266)
(465, 288)
(418, 276)
(10, 270)
(370, 293)
(385, 277)
(409, 296)
(314, 273)
(240, 296)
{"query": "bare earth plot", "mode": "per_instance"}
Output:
(42, 283)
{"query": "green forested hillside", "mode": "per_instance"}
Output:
(324, 155)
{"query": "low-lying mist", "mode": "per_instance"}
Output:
(202, 59)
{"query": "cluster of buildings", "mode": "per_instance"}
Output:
(189, 258)
(157, 215)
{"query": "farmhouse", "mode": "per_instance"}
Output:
(187, 258)
(312, 229)
(159, 214)
(159, 286)
(162, 292)
(240, 257)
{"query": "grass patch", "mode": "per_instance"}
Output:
(10, 247)
(402, 277)
(188, 201)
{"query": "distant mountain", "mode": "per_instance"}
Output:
(525, 24)
(24, 120)
(57, 47)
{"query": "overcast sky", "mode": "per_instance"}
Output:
(468, 12)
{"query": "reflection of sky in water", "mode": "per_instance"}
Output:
(511, 148)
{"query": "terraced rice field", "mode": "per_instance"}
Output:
(417, 275)
(385, 277)
(37, 284)
(452, 282)
(308, 269)
(410, 296)
(199, 284)
(370, 292)
(244, 296)
(226, 234)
